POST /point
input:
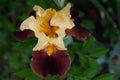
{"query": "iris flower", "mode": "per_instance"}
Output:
(50, 27)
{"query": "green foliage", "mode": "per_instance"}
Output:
(88, 45)
(90, 65)
(99, 52)
(83, 61)
(27, 74)
(109, 76)
(75, 70)
(90, 72)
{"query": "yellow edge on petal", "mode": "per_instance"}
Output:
(39, 10)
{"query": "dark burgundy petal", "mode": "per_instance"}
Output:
(79, 33)
(75, 15)
(23, 35)
(32, 13)
(56, 64)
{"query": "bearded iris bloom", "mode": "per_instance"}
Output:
(50, 27)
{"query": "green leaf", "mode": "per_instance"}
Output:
(88, 24)
(108, 76)
(87, 62)
(93, 63)
(99, 52)
(88, 45)
(92, 69)
(90, 72)
(83, 61)
(71, 53)
(75, 70)
(27, 74)
(76, 47)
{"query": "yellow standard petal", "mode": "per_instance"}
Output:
(62, 19)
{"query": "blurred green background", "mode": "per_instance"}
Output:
(97, 58)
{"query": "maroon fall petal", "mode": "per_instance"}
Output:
(75, 15)
(56, 64)
(79, 33)
(23, 35)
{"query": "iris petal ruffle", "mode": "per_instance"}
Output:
(56, 64)
(23, 35)
(77, 31)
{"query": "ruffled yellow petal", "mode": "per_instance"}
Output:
(58, 42)
(42, 42)
(48, 14)
(29, 23)
(62, 19)
(39, 10)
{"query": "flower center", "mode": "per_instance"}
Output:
(45, 26)
(48, 30)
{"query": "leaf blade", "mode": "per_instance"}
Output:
(99, 52)
(108, 76)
